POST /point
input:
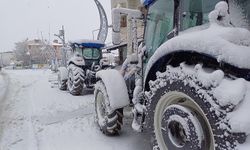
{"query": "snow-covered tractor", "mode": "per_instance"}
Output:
(188, 82)
(85, 61)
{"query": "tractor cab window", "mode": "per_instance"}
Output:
(159, 24)
(195, 12)
(91, 53)
(88, 53)
(77, 50)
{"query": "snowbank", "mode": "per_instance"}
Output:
(3, 86)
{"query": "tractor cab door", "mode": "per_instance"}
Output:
(159, 24)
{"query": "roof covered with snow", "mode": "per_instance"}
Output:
(88, 43)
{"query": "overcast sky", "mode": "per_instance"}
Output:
(21, 19)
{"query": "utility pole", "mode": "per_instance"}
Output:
(1, 59)
(61, 36)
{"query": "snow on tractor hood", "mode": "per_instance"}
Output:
(227, 44)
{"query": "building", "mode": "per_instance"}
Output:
(35, 51)
(42, 52)
(7, 58)
(131, 4)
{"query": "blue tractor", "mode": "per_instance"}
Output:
(85, 60)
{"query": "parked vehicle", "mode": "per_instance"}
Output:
(81, 67)
(188, 83)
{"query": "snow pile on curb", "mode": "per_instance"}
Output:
(3, 85)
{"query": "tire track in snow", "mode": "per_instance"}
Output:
(3, 96)
(64, 116)
(16, 115)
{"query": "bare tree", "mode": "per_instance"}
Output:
(21, 49)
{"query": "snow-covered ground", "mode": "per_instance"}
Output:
(35, 115)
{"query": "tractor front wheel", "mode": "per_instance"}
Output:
(184, 113)
(110, 122)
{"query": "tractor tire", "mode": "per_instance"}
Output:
(110, 122)
(184, 114)
(75, 80)
(62, 83)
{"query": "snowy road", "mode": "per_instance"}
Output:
(35, 115)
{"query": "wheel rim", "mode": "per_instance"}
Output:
(101, 109)
(171, 131)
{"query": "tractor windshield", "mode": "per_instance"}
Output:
(89, 53)
(159, 24)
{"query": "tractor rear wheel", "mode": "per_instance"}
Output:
(62, 83)
(183, 112)
(75, 80)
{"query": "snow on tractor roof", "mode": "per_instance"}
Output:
(88, 43)
(147, 2)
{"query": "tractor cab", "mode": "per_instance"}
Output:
(166, 18)
(90, 51)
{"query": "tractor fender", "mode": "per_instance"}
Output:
(115, 86)
(225, 44)
(63, 73)
(77, 60)
(222, 45)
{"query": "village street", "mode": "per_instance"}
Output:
(36, 115)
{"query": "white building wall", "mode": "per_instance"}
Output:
(6, 58)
